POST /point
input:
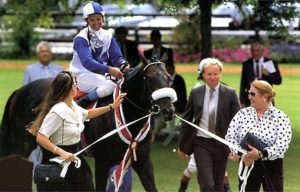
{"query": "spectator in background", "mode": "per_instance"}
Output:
(43, 68)
(178, 85)
(128, 48)
(257, 68)
(212, 106)
(158, 49)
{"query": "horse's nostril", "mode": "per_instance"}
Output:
(167, 114)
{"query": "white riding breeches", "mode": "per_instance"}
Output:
(90, 81)
(192, 164)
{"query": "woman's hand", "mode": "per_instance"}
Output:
(233, 157)
(252, 155)
(119, 100)
(67, 156)
(181, 155)
(247, 160)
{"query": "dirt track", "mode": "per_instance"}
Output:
(188, 68)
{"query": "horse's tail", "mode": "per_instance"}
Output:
(5, 128)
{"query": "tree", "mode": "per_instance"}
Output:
(25, 15)
(268, 13)
(205, 27)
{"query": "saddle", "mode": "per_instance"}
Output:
(91, 104)
(81, 97)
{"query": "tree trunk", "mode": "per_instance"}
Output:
(205, 27)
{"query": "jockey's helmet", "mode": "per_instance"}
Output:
(92, 8)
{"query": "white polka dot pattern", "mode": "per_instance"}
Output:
(273, 128)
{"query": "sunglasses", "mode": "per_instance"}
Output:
(250, 93)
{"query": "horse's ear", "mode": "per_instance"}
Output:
(143, 59)
(164, 58)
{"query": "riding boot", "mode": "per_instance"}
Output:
(183, 187)
(83, 101)
(184, 182)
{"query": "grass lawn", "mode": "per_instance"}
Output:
(168, 168)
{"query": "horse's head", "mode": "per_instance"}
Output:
(148, 88)
(158, 82)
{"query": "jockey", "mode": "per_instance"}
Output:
(95, 53)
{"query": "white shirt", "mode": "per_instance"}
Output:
(273, 128)
(62, 125)
(205, 113)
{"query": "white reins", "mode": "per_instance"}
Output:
(242, 172)
(232, 146)
(65, 164)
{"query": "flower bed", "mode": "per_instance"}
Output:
(225, 55)
(282, 53)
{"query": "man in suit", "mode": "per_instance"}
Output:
(257, 67)
(211, 106)
(158, 49)
(128, 48)
(179, 86)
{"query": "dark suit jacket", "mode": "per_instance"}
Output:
(248, 76)
(179, 86)
(131, 55)
(170, 61)
(228, 106)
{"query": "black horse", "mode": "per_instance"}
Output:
(139, 84)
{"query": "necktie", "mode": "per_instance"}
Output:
(46, 72)
(211, 111)
(257, 69)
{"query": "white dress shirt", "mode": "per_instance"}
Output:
(63, 125)
(205, 113)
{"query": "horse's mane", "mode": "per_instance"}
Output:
(133, 74)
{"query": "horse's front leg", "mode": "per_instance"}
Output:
(101, 174)
(144, 169)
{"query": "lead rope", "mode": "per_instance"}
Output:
(242, 172)
(216, 137)
(65, 164)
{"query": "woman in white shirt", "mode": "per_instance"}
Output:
(269, 125)
(58, 127)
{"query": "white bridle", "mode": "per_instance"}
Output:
(164, 92)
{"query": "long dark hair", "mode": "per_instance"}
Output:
(60, 89)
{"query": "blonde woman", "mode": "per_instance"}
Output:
(269, 125)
